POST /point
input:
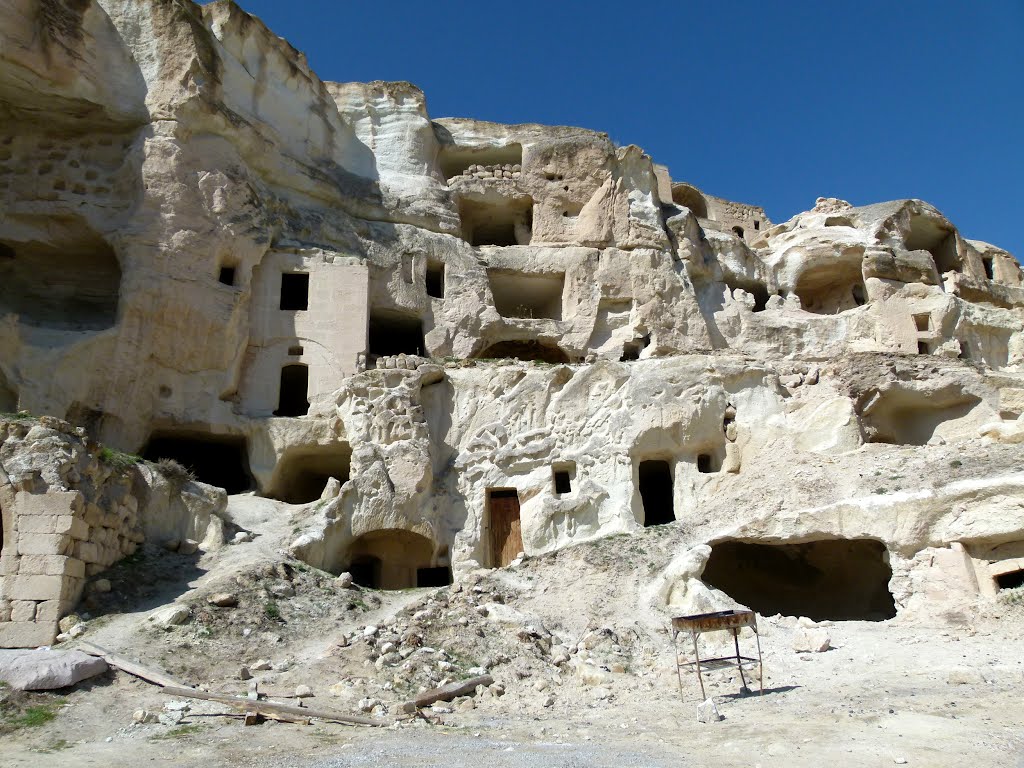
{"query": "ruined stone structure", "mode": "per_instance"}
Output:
(494, 338)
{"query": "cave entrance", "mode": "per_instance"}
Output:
(832, 289)
(220, 460)
(507, 221)
(69, 282)
(302, 473)
(293, 398)
(690, 197)
(531, 296)
(910, 417)
(835, 579)
(655, 480)
(395, 333)
(525, 350)
(437, 576)
(928, 234)
(1011, 580)
(392, 559)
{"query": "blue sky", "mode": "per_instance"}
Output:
(771, 103)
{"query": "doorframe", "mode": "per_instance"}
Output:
(488, 527)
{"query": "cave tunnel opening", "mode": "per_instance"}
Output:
(220, 460)
(655, 481)
(394, 559)
(395, 333)
(1011, 580)
(302, 473)
(833, 579)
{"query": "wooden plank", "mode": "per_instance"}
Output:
(132, 668)
(451, 691)
(269, 707)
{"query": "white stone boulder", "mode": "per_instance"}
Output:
(45, 670)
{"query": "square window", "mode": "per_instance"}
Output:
(295, 291)
(227, 275)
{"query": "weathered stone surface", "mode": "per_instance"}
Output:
(47, 670)
(384, 319)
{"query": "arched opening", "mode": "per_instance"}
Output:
(70, 281)
(738, 231)
(395, 559)
(840, 579)
(832, 288)
(527, 351)
(303, 472)
(690, 197)
(654, 477)
(220, 460)
(293, 398)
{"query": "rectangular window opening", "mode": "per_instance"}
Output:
(226, 276)
(987, 263)
(563, 475)
(295, 291)
(295, 351)
(435, 279)
(923, 348)
(923, 321)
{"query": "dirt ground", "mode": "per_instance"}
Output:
(587, 670)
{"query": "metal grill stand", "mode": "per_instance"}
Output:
(698, 624)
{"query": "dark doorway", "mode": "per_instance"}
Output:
(656, 492)
(295, 291)
(440, 576)
(366, 571)
(506, 527)
(226, 276)
(218, 460)
(837, 579)
(293, 398)
(435, 279)
(1011, 580)
(394, 333)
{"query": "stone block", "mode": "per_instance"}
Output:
(26, 634)
(48, 611)
(35, 587)
(51, 565)
(23, 610)
(87, 551)
(5, 610)
(9, 564)
(79, 529)
(38, 524)
(93, 515)
(50, 503)
(43, 544)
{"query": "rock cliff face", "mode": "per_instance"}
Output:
(494, 338)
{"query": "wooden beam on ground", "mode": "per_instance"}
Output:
(154, 676)
(270, 708)
(450, 691)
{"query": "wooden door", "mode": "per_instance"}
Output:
(506, 528)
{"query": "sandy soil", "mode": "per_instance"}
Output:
(932, 692)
